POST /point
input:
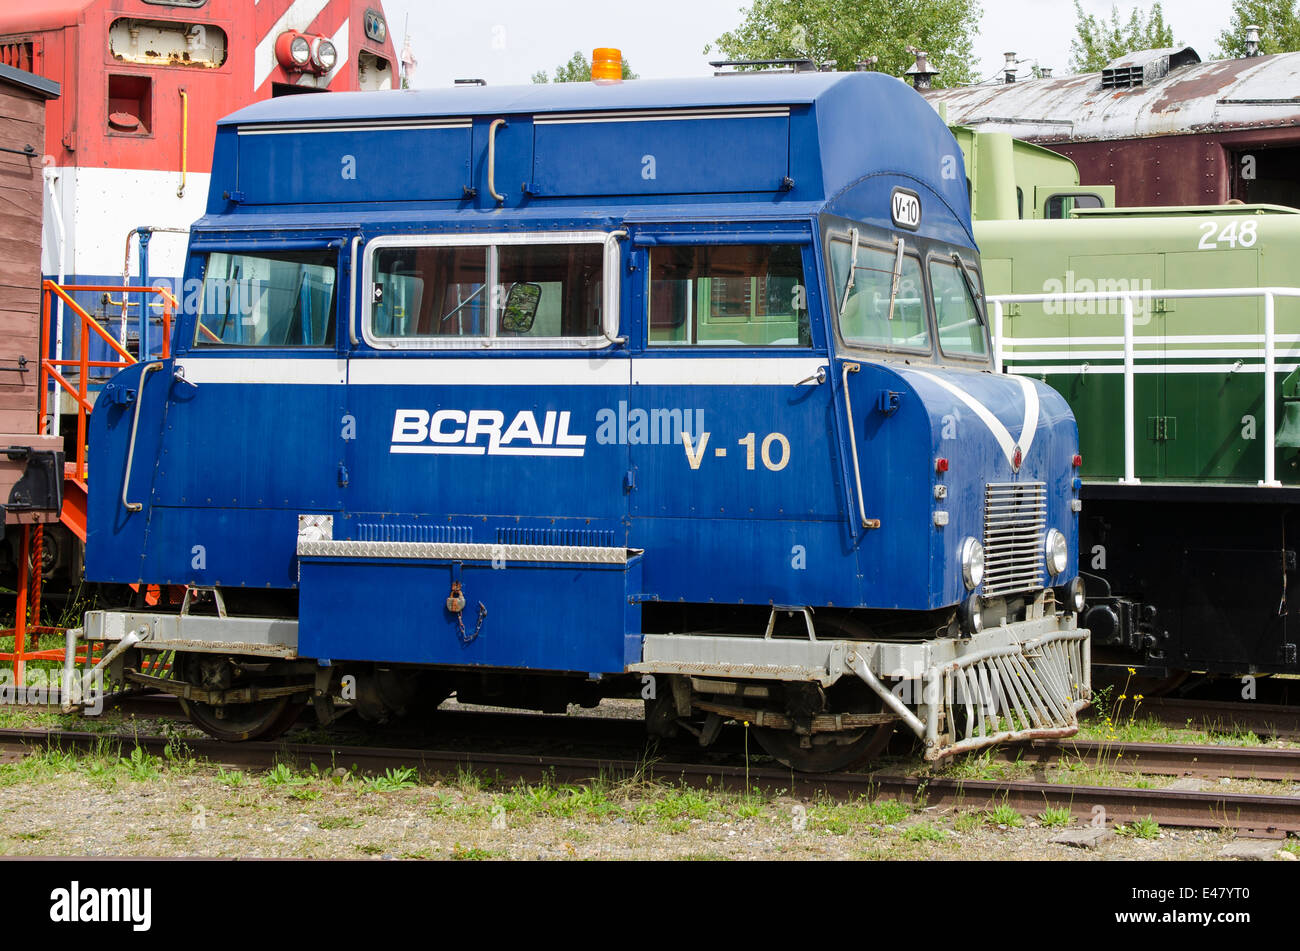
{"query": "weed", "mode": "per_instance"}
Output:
(234, 778)
(1143, 828)
(141, 766)
(471, 854)
(1054, 817)
(404, 777)
(282, 774)
(969, 821)
(924, 832)
(1004, 815)
(339, 822)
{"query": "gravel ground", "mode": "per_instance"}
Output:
(108, 804)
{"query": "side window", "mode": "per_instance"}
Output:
(1060, 206)
(750, 295)
(879, 311)
(957, 315)
(561, 285)
(502, 294)
(429, 292)
(268, 299)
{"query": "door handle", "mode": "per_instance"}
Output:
(818, 377)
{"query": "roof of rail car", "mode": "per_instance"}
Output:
(857, 135)
(746, 89)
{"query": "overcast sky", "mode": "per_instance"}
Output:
(506, 41)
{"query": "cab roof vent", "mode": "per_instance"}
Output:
(1146, 67)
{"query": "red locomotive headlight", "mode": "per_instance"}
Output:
(323, 54)
(293, 50)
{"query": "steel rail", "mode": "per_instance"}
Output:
(1260, 815)
(1281, 721)
(1161, 759)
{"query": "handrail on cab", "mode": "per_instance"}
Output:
(49, 367)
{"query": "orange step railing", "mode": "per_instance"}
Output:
(27, 606)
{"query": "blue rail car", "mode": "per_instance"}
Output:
(677, 390)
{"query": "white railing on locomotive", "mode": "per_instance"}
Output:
(1127, 299)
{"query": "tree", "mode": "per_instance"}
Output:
(1099, 40)
(848, 31)
(577, 70)
(1278, 22)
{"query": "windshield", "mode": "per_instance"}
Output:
(267, 299)
(957, 315)
(868, 319)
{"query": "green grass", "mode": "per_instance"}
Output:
(842, 818)
(1004, 815)
(141, 766)
(233, 778)
(1055, 818)
(970, 821)
(340, 822)
(1147, 729)
(282, 774)
(471, 854)
(403, 777)
(924, 832)
(1292, 846)
(1143, 828)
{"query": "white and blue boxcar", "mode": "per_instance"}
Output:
(668, 389)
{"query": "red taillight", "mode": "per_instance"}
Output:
(941, 465)
(1077, 461)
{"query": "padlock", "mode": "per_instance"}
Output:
(455, 600)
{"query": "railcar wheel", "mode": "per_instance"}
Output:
(261, 720)
(264, 720)
(827, 752)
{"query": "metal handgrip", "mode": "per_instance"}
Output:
(492, 160)
(352, 305)
(135, 425)
(853, 444)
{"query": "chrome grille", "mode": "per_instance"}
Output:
(1015, 520)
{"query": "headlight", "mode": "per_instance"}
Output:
(324, 55)
(1058, 554)
(972, 563)
(1077, 595)
(300, 50)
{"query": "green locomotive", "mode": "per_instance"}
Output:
(1191, 519)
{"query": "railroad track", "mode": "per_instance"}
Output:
(1250, 814)
(1279, 721)
(1161, 759)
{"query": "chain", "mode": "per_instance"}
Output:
(460, 625)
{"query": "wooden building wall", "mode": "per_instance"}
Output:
(22, 122)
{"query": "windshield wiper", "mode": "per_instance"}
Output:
(970, 287)
(898, 272)
(459, 307)
(853, 268)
